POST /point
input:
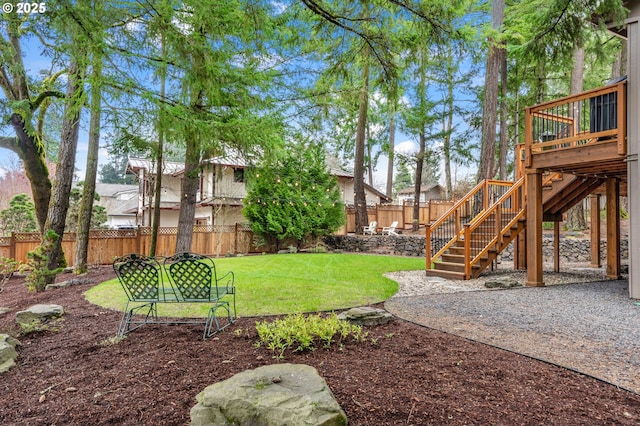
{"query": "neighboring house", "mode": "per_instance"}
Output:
(222, 190)
(346, 184)
(427, 192)
(118, 201)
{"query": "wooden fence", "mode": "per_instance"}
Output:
(106, 244)
(385, 214)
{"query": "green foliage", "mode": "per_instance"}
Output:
(294, 197)
(20, 216)
(304, 333)
(37, 261)
(114, 171)
(7, 268)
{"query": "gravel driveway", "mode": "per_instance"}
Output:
(589, 327)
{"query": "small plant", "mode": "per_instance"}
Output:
(292, 249)
(38, 263)
(303, 333)
(37, 326)
(7, 268)
(113, 340)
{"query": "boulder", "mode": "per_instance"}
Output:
(273, 395)
(38, 314)
(366, 315)
(503, 282)
(8, 352)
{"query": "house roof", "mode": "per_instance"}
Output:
(170, 167)
(114, 189)
(423, 188)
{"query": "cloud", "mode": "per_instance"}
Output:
(406, 148)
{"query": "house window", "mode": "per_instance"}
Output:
(238, 175)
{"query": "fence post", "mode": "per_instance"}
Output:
(12, 246)
(138, 239)
(235, 242)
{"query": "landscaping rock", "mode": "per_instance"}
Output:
(69, 283)
(38, 313)
(366, 315)
(4, 310)
(502, 282)
(273, 395)
(8, 352)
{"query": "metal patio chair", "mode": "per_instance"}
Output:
(141, 279)
(194, 279)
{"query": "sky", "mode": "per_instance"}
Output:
(35, 62)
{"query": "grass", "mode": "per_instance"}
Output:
(289, 283)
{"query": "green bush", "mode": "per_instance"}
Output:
(303, 333)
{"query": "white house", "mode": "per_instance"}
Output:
(120, 202)
(222, 190)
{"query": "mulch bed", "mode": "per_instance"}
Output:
(404, 374)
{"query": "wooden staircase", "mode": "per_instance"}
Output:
(469, 237)
(479, 242)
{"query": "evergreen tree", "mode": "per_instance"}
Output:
(294, 198)
(19, 217)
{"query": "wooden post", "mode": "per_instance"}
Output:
(534, 228)
(613, 229)
(595, 230)
(427, 248)
(12, 246)
(467, 252)
(556, 246)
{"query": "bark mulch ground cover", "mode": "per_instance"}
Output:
(404, 374)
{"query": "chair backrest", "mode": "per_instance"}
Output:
(193, 276)
(139, 276)
(373, 224)
(394, 224)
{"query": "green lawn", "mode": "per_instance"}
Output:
(289, 283)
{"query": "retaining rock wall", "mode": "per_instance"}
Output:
(571, 249)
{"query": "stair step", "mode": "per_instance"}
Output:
(445, 274)
(453, 258)
(449, 266)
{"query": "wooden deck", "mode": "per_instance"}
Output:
(574, 147)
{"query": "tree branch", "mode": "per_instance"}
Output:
(43, 96)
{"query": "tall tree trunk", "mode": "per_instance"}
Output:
(155, 225)
(486, 168)
(31, 152)
(504, 109)
(446, 143)
(360, 198)
(418, 184)
(422, 94)
(575, 215)
(392, 143)
(59, 204)
(89, 190)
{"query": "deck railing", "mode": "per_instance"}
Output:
(595, 116)
(444, 232)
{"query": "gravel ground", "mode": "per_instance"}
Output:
(579, 321)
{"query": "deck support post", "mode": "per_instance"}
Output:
(556, 246)
(534, 228)
(613, 229)
(594, 200)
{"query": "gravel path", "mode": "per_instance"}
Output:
(579, 321)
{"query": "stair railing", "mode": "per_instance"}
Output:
(488, 230)
(446, 230)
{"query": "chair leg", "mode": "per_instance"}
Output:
(127, 320)
(212, 320)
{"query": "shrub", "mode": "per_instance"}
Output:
(302, 333)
